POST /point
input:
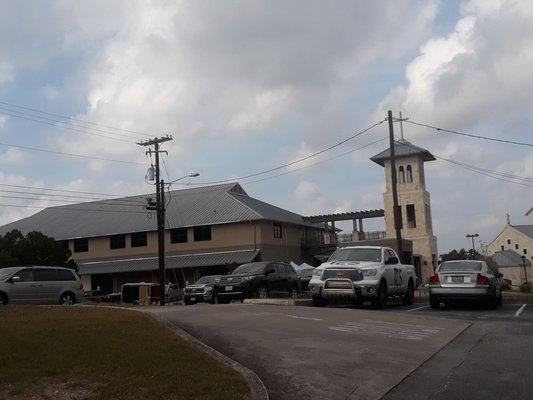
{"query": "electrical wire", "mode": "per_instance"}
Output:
(65, 190)
(469, 134)
(66, 208)
(69, 201)
(75, 119)
(288, 164)
(79, 197)
(61, 153)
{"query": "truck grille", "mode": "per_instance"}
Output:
(343, 273)
(338, 284)
(229, 280)
(194, 290)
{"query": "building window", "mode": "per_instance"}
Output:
(516, 246)
(502, 248)
(411, 216)
(202, 233)
(428, 217)
(117, 241)
(508, 241)
(178, 235)
(278, 231)
(139, 239)
(81, 245)
(401, 175)
(525, 251)
(409, 174)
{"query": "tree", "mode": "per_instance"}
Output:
(469, 255)
(33, 249)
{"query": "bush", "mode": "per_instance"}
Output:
(525, 288)
(506, 284)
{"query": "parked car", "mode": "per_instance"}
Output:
(173, 293)
(96, 296)
(258, 279)
(465, 280)
(201, 291)
(305, 276)
(40, 285)
(358, 273)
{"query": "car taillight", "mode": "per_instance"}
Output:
(482, 280)
(434, 280)
(81, 286)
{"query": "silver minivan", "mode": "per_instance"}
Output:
(39, 285)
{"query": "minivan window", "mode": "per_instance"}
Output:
(45, 274)
(65, 275)
(470, 266)
(25, 275)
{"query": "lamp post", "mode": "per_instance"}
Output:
(524, 264)
(472, 236)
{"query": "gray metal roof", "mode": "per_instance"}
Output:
(171, 262)
(509, 258)
(403, 149)
(525, 229)
(207, 205)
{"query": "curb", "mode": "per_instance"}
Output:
(256, 385)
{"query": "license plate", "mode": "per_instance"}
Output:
(193, 298)
(228, 288)
(457, 279)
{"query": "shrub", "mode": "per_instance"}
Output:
(526, 287)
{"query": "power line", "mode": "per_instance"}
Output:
(469, 134)
(70, 201)
(69, 128)
(288, 164)
(61, 153)
(64, 190)
(63, 208)
(139, 202)
(74, 119)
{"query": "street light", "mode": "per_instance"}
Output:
(472, 236)
(524, 264)
(189, 175)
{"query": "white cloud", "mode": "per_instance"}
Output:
(305, 190)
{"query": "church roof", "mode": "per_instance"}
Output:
(403, 149)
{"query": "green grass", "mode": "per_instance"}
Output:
(114, 354)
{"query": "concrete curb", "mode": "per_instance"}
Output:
(257, 387)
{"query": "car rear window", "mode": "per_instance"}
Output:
(65, 275)
(468, 266)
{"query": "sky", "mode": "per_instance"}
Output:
(244, 86)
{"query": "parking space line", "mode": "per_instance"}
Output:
(519, 311)
(418, 308)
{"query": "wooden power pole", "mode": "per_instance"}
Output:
(394, 182)
(159, 207)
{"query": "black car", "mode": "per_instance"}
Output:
(258, 279)
(202, 291)
(305, 276)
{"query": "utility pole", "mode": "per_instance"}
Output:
(395, 213)
(472, 236)
(159, 207)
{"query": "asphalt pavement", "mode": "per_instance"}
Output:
(359, 353)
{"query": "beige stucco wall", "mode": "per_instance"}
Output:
(517, 275)
(516, 238)
(224, 237)
(529, 218)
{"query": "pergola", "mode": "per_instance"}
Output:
(346, 216)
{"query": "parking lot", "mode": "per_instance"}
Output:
(356, 353)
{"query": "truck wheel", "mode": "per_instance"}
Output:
(319, 302)
(381, 296)
(409, 297)
(434, 303)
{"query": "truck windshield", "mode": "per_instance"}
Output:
(361, 254)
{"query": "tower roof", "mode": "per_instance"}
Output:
(403, 149)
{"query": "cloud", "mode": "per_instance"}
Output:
(305, 190)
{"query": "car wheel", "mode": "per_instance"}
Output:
(319, 302)
(67, 299)
(381, 296)
(493, 302)
(3, 300)
(293, 294)
(262, 292)
(409, 297)
(434, 303)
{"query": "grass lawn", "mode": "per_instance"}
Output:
(69, 353)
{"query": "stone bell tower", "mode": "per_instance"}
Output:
(414, 204)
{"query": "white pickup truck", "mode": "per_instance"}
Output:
(360, 273)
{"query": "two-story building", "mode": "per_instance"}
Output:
(209, 230)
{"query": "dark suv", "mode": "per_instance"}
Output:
(259, 279)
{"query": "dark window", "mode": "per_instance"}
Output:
(65, 275)
(516, 246)
(508, 241)
(25, 275)
(525, 251)
(411, 216)
(502, 247)
(178, 235)
(117, 241)
(139, 239)
(408, 174)
(278, 231)
(202, 233)
(401, 175)
(81, 245)
(45, 274)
